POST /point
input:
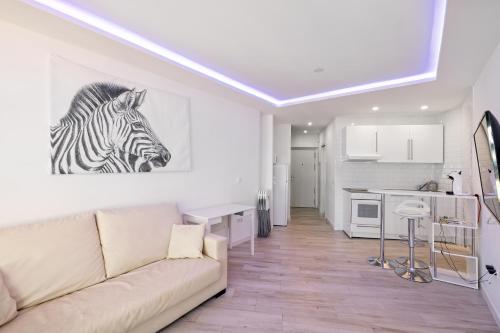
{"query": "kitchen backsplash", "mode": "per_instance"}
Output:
(387, 175)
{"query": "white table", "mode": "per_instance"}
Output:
(216, 214)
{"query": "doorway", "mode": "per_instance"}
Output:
(303, 178)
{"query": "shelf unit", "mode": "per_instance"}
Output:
(453, 245)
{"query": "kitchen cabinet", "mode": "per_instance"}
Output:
(410, 143)
(394, 143)
(360, 143)
(426, 143)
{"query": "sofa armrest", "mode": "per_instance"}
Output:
(215, 247)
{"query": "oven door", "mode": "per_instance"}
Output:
(365, 212)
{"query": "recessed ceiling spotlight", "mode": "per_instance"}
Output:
(305, 131)
(309, 124)
(375, 108)
(318, 70)
(424, 107)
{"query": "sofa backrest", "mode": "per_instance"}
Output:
(45, 260)
(134, 237)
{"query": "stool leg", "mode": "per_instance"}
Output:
(410, 272)
(411, 244)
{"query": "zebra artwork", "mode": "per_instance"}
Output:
(104, 132)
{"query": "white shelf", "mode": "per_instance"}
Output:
(453, 279)
(467, 263)
(455, 254)
(456, 225)
(445, 274)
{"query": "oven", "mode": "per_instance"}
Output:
(361, 215)
(365, 212)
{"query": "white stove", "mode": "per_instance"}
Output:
(361, 213)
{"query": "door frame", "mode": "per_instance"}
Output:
(316, 174)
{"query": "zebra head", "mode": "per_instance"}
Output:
(131, 132)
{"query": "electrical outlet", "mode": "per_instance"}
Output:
(493, 273)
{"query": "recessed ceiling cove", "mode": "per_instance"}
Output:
(286, 52)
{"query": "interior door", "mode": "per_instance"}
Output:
(303, 178)
(427, 143)
(393, 143)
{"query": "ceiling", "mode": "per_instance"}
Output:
(289, 49)
(275, 46)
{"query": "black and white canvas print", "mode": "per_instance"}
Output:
(101, 124)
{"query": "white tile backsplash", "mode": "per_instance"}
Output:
(388, 175)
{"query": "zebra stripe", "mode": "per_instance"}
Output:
(103, 132)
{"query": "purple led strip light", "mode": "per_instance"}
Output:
(99, 24)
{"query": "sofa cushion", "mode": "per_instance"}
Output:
(134, 237)
(8, 309)
(44, 260)
(121, 303)
(186, 241)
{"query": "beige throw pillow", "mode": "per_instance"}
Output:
(186, 241)
(8, 309)
(136, 236)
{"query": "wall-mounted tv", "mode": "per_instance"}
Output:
(487, 141)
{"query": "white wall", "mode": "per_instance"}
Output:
(266, 151)
(301, 140)
(266, 157)
(486, 96)
(225, 139)
(457, 145)
(327, 138)
(282, 143)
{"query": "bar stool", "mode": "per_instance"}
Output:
(412, 269)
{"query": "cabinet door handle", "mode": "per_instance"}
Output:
(412, 149)
(376, 142)
(408, 146)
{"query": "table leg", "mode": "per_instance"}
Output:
(252, 229)
(229, 243)
(380, 261)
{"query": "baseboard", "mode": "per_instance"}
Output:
(491, 306)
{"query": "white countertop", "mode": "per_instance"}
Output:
(419, 194)
(217, 211)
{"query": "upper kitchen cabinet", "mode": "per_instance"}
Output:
(360, 143)
(426, 143)
(394, 143)
(411, 143)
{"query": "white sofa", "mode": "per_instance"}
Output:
(105, 272)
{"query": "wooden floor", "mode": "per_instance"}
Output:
(308, 278)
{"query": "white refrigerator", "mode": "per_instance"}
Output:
(281, 196)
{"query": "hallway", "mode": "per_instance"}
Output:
(308, 278)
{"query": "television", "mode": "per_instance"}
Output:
(487, 142)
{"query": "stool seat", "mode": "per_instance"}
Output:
(410, 268)
(413, 208)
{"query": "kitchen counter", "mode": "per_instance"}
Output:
(355, 190)
(438, 194)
